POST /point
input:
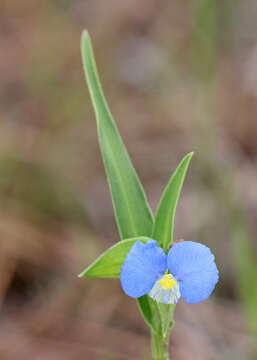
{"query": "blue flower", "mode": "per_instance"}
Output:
(188, 271)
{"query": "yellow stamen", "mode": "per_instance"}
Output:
(167, 282)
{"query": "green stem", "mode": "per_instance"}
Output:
(159, 346)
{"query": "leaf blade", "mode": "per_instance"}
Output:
(132, 212)
(108, 264)
(164, 224)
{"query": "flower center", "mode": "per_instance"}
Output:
(168, 281)
(166, 290)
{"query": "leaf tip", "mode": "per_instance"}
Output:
(82, 274)
(85, 34)
(85, 38)
(188, 157)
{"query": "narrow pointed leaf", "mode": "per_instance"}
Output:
(108, 264)
(164, 219)
(132, 212)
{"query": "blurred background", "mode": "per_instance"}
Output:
(179, 76)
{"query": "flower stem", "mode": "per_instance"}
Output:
(159, 346)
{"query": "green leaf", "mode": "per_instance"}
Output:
(164, 219)
(132, 212)
(151, 314)
(108, 264)
(166, 315)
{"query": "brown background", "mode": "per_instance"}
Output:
(179, 76)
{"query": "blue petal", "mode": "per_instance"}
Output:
(143, 266)
(192, 264)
